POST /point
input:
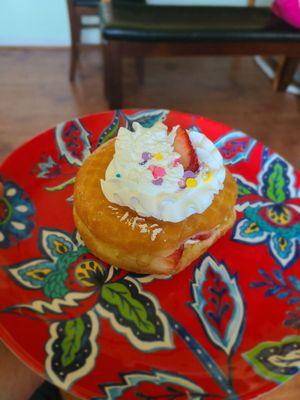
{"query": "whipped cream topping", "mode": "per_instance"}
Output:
(146, 175)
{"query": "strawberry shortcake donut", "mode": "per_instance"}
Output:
(152, 201)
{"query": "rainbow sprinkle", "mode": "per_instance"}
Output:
(158, 156)
(145, 157)
(158, 181)
(191, 182)
(157, 172)
(208, 177)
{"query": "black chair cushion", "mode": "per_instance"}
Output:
(86, 3)
(128, 20)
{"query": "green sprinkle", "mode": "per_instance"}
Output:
(118, 175)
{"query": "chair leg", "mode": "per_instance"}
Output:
(113, 74)
(75, 39)
(105, 72)
(140, 69)
(73, 61)
(285, 73)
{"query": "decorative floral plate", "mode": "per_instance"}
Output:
(225, 328)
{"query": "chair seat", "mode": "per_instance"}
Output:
(86, 3)
(142, 22)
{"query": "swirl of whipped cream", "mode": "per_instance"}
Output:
(145, 174)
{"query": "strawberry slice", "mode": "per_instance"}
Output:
(183, 146)
(167, 265)
(202, 236)
(174, 258)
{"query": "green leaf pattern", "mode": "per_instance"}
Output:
(136, 314)
(275, 190)
(131, 309)
(276, 361)
(243, 191)
(54, 285)
(71, 343)
(72, 349)
(111, 130)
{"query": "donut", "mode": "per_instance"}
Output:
(140, 243)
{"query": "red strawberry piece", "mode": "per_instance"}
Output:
(202, 236)
(174, 258)
(176, 162)
(168, 264)
(183, 146)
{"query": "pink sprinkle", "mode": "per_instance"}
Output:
(176, 162)
(157, 172)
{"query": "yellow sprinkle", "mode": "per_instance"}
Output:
(208, 177)
(158, 156)
(191, 182)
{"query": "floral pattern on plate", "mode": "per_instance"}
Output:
(103, 333)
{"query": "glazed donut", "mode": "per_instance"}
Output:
(120, 236)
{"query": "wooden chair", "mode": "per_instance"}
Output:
(285, 73)
(188, 31)
(281, 72)
(78, 9)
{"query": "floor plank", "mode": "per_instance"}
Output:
(36, 95)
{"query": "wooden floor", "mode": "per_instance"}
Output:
(35, 95)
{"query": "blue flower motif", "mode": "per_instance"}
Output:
(274, 218)
(48, 168)
(16, 210)
(50, 273)
(235, 147)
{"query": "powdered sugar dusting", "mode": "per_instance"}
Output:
(144, 228)
(124, 216)
(155, 232)
(137, 223)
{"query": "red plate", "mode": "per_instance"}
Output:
(226, 327)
